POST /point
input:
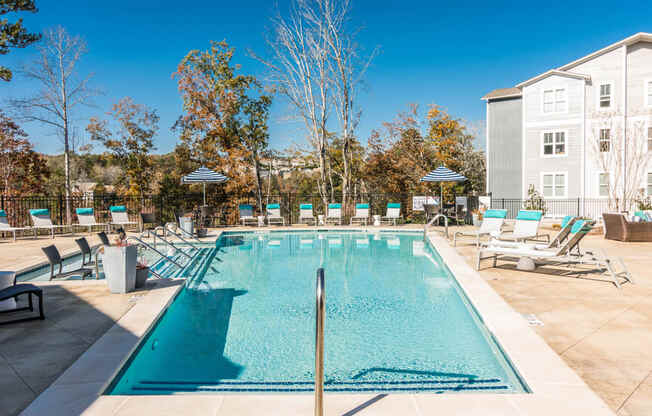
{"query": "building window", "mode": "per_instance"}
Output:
(605, 95)
(605, 140)
(603, 184)
(554, 185)
(554, 100)
(554, 143)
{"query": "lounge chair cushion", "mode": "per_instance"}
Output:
(306, 206)
(3, 213)
(394, 205)
(495, 213)
(85, 211)
(566, 220)
(362, 206)
(40, 212)
(334, 206)
(273, 206)
(529, 215)
(118, 208)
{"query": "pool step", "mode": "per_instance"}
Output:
(154, 387)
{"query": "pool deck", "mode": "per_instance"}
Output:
(602, 333)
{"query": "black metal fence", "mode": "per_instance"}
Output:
(224, 208)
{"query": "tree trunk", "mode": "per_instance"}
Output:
(259, 184)
(66, 140)
(322, 171)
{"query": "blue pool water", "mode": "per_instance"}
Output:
(396, 321)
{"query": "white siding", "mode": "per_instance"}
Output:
(604, 68)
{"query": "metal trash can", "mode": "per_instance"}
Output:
(185, 223)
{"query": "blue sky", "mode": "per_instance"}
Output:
(448, 53)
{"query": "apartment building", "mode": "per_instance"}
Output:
(577, 131)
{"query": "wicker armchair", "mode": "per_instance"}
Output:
(617, 227)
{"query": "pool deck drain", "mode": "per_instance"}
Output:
(556, 389)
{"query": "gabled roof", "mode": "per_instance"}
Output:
(553, 72)
(503, 93)
(639, 37)
(563, 71)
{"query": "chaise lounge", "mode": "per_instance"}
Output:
(15, 290)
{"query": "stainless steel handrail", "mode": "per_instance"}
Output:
(435, 218)
(319, 344)
(186, 233)
(182, 239)
(171, 245)
(155, 250)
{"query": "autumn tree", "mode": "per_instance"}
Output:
(129, 143)
(14, 35)
(62, 91)
(409, 147)
(22, 170)
(225, 115)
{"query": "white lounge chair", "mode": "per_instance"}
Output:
(334, 214)
(86, 218)
(305, 214)
(274, 214)
(120, 217)
(246, 213)
(361, 214)
(492, 222)
(41, 221)
(526, 227)
(558, 256)
(6, 228)
(393, 213)
(566, 226)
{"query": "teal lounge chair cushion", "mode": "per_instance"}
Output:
(274, 206)
(642, 215)
(39, 212)
(306, 206)
(245, 207)
(362, 206)
(118, 208)
(394, 205)
(495, 213)
(334, 206)
(566, 220)
(580, 227)
(84, 211)
(3, 213)
(529, 215)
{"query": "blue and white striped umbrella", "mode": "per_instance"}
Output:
(443, 174)
(204, 175)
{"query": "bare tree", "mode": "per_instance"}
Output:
(299, 70)
(62, 91)
(622, 153)
(347, 69)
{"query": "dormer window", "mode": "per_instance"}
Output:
(605, 96)
(554, 100)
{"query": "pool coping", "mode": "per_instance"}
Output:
(555, 388)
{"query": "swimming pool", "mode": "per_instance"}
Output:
(396, 321)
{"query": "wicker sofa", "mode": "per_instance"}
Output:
(617, 227)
